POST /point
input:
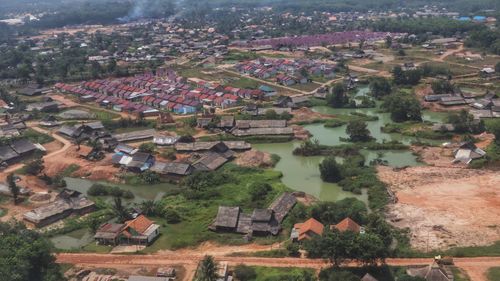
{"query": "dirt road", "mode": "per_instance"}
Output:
(66, 146)
(477, 266)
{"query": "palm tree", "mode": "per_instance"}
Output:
(207, 270)
(120, 210)
(14, 189)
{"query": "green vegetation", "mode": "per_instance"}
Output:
(380, 87)
(403, 107)
(26, 255)
(494, 273)
(207, 269)
(358, 131)
(408, 77)
(458, 274)
(105, 190)
(259, 273)
(197, 204)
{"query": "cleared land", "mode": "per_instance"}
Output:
(445, 207)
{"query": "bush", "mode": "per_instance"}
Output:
(293, 250)
(259, 190)
(172, 216)
(98, 189)
(147, 147)
(330, 170)
(243, 272)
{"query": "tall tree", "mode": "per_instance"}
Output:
(207, 270)
(380, 87)
(358, 131)
(120, 210)
(403, 107)
(338, 96)
(330, 170)
(14, 189)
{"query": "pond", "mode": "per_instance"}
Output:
(73, 240)
(141, 192)
(302, 173)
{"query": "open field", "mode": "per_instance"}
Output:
(445, 207)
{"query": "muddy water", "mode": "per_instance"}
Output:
(302, 173)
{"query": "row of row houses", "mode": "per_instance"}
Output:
(286, 71)
(146, 94)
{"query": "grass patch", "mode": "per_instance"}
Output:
(494, 273)
(278, 253)
(99, 114)
(245, 83)
(100, 249)
(285, 273)
(36, 137)
(476, 251)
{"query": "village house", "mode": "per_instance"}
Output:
(260, 222)
(68, 202)
(18, 150)
(138, 231)
(307, 230)
(467, 152)
(172, 169)
(348, 224)
(135, 135)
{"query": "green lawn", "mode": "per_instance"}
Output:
(36, 137)
(275, 273)
(245, 83)
(494, 274)
(478, 251)
(198, 214)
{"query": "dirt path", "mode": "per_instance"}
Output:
(65, 142)
(476, 266)
(450, 52)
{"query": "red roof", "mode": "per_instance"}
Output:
(348, 224)
(311, 226)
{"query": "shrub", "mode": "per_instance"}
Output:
(243, 272)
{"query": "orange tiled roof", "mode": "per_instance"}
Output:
(139, 224)
(348, 224)
(311, 225)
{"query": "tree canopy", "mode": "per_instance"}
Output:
(403, 107)
(26, 255)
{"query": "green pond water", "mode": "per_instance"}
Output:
(73, 240)
(302, 173)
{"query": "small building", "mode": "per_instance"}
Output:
(348, 224)
(227, 219)
(468, 152)
(140, 231)
(50, 106)
(307, 230)
(166, 272)
(67, 202)
(135, 135)
(140, 162)
(109, 233)
(226, 122)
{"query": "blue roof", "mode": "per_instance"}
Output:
(479, 18)
(464, 18)
(266, 88)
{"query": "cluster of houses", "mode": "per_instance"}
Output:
(18, 150)
(261, 222)
(147, 94)
(286, 71)
(488, 106)
(313, 228)
(245, 128)
(12, 127)
(68, 202)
